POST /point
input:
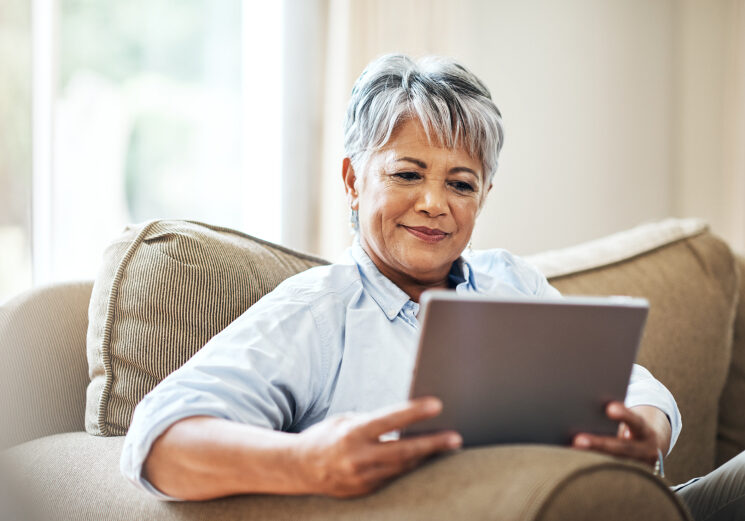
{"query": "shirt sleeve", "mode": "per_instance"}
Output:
(535, 280)
(645, 389)
(254, 372)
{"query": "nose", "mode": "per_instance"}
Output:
(432, 200)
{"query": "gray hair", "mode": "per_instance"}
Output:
(453, 105)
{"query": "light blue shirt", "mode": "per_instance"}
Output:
(333, 339)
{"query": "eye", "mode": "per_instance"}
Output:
(462, 186)
(407, 176)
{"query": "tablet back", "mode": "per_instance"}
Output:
(528, 370)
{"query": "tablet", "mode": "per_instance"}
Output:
(525, 370)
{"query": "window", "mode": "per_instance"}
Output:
(146, 112)
(15, 147)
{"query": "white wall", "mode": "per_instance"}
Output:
(612, 109)
(709, 119)
(584, 88)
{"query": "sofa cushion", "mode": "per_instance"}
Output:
(164, 289)
(76, 476)
(689, 277)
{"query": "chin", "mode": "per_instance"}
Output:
(437, 253)
(424, 270)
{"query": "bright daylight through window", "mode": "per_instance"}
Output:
(138, 113)
(15, 147)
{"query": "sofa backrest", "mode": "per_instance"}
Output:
(731, 432)
(690, 278)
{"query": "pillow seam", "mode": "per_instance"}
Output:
(108, 325)
(271, 245)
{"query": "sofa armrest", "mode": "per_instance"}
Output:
(76, 476)
(731, 428)
(44, 370)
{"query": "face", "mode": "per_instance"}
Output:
(417, 206)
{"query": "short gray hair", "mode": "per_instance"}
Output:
(453, 105)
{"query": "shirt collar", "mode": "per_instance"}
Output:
(390, 297)
(464, 277)
(385, 293)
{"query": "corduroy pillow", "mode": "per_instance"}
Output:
(165, 288)
(690, 278)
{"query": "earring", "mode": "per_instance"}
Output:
(354, 219)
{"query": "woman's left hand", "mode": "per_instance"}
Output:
(643, 430)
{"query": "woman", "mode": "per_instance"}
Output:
(294, 396)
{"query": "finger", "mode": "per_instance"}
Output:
(378, 473)
(366, 482)
(613, 446)
(416, 448)
(395, 467)
(399, 416)
(623, 431)
(377, 476)
(633, 449)
(387, 470)
(635, 423)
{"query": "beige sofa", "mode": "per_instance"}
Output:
(694, 343)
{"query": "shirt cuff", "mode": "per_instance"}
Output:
(645, 389)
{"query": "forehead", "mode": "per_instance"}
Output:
(410, 140)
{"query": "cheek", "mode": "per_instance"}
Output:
(466, 213)
(380, 213)
(394, 203)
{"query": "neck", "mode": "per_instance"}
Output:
(415, 290)
(413, 287)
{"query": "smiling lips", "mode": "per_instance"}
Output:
(430, 235)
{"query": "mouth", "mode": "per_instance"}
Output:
(428, 235)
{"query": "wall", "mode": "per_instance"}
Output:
(584, 88)
(709, 117)
(612, 109)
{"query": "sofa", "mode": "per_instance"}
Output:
(69, 348)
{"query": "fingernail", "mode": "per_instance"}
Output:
(433, 405)
(581, 441)
(615, 409)
(455, 441)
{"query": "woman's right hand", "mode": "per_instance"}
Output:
(343, 456)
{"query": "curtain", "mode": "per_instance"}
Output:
(304, 84)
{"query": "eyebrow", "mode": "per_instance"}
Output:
(422, 164)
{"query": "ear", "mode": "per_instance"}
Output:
(350, 183)
(483, 198)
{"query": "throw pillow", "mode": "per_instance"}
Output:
(166, 287)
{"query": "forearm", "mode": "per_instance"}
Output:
(203, 457)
